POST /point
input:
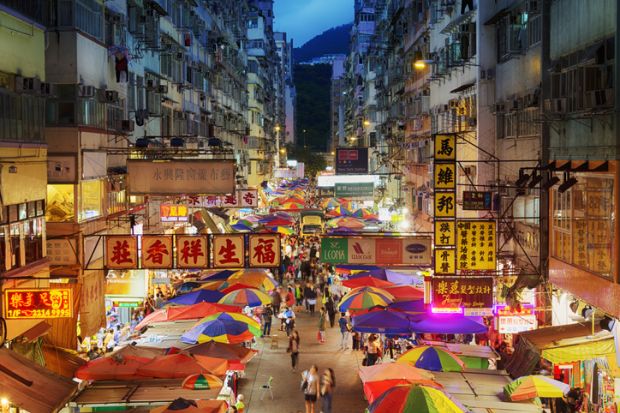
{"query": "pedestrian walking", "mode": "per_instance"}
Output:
(330, 306)
(322, 326)
(345, 331)
(355, 341)
(311, 387)
(293, 348)
(373, 350)
(328, 382)
(267, 318)
(276, 300)
(310, 295)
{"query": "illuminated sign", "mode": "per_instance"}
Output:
(475, 243)
(512, 321)
(173, 213)
(351, 161)
(462, 292)
(38, 303)
(413, 251)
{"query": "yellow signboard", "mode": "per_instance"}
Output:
(445, 233)
(445, 204)
(445, 175)
(445, 148)
(445, 261)
(476, 245)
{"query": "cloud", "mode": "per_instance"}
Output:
(304, 19)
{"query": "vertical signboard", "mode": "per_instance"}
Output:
(476, 245)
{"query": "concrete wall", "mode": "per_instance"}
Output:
(22, 47)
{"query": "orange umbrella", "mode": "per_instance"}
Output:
(174, 366)
(112, 368)
(185, 312)
(381, 377)
(367, 281)
(138, 351)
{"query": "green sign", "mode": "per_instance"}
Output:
(354, 189)
(335, 250)
(130, 304)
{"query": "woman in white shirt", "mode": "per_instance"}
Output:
(312, 387)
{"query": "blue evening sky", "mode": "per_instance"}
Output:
(304, 19)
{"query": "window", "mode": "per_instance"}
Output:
(90, 200)
(534, 30)
(89, 17)
(22, 117)
(33, 240)
(60, 203)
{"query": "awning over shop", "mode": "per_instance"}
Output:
(32, 387)
(559, 344)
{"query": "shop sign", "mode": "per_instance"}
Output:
(126, 304)
(264, 250)
(200, 177)
(445, 147)
(361, 251)
(389, 250)
(242, 198)
(476, 245)
(38, 303)
(445, 233)
(417, 251)
(192, 251)
(248, 198)
(351, 161)
(445, 175)
(445, 204)
(445, 261)
(173, 213)
(354, 190)
(121, 252)
(228, 251)
(92, 302)
(477, 200)
(156, 251)
(511, 321)
(334, 250)
(462, 292)
(125, 283)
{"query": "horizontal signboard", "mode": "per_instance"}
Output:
(351, 160)
(412, 251)
(38, 303)
(477, 200)
(462, 292)
(354, 190)
(200, 177)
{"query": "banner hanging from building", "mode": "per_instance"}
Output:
(412, 251)
(352, 161)
(199, 177)
(476, 245)
(38, 303)
(469, 293)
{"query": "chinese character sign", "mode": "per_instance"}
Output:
(121, 252)
(228, 251)
(445, 148)
(445, 205)
(454, 292)
(38, 303)
(445, 175)
(476, 245)
(445, 233)
(192, 251)
(173, 212)
(156, 251)
(264, 250)
(248, 198)
(445, 261)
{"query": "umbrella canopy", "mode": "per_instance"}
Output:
(254, 278)
(283, 230)
(218, 275)
(383, 322)
(530, 387)
(223, 328)
(364, 299)
(202, 381)
(366, 281)
(405, 292)
(112, 368)
(172, 366)
(181, 405)
(194, 297)
(250, 297)
(415, 398)
(187, 286)
(346, 222)
(379, 273)
(393, 371)
(412, 306)
(240, 227)
(230, 287)
(432, 358)
(229, 352)
(448, 324)
(186, 312)
(138, 351)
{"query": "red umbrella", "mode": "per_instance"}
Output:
(186, 312)
(367, 281)
(174, 366)
(112, 368)
(405, 292)
(235, 287)
(230, 352)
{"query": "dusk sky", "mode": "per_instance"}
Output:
(304, 19)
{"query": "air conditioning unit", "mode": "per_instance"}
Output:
(180, 56)
(599, 98)
(559, 105)
(111, 96)
(163, 89)
(87, 91)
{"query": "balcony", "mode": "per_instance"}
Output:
(22, 117)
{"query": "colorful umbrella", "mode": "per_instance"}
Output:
(383, 322)
(415, 399)
(218, 275)
(225, 328)
(364, 300)
(241, 227)
(112, 368)
(195, 297)
(172, 366)
(448, 324)
(230, 287)
(393, 371)
(366, 281)
(202, 381)
(283, 230)
(405, 292)
(187, 286)
(181, 405)
(186, 312)
(432, 358)
(530, 387)
(250, 297)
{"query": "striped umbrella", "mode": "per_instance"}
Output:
(202, 381)
(415, 399)
(530, 387)
(433, 359)
(364, 300)
(230, 328)
(250, 297)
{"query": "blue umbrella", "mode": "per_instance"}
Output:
(196, 297)
(413, 306)
(448, 324)
(383, 322)
(218, 276)
(187, 286)
(241, 227)
(378, 273)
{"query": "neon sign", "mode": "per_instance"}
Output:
(38, 303)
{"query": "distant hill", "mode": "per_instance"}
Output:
(332, 41)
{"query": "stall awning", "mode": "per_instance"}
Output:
(586, 350)
(32, 387)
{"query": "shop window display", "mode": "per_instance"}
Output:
(60, 203)
(90, 200)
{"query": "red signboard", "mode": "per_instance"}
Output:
(38, 303)
(156, 251)
(192, 251)
(121, 252)
(388, 250)
(462, 292)
(264, 250)
(228, 251)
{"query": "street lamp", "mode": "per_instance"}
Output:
(366, 123)
(422, 64)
